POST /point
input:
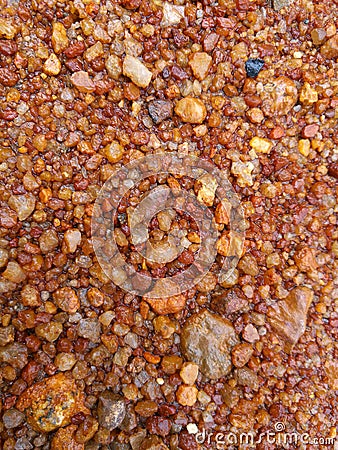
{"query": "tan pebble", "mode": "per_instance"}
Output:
(200, 63)
(191, 110)
(23, 205)
(49, 331)
(65, 361)
(30, 296)
(66, 299)
(72, 239)
(14, 273)
(60, 40)
(187, 395)
(330, 49)
(250, 333)
(189, 373)
(82, 82)
(52, 65)
(255, 115)
(136, 71)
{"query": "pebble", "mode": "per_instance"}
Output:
(250, 333)
(253, 66)
(52, 402)
(64, 361)
(172, 14)
(72, 239)
(48, 241)
(191, 110)
(318, 36)
(146, 408)
(6, 335)
(66, 299)
(206, 187)
(3, 257)
(8, 77)
(111, 410)
(93, 52)
(279, 96)
(136, 71)
(14, 273)
(64, 439)
(23, 205)
(279, 4)
(60, 40)
(207, 340)
(171, 364)
(241, 354)
(14, 354)
(261, 145)
(289, 316)
(12, 418)
(83, 82)
(167, 305)
(86, 430)
(331, 369)
(310, 131)
(330, 49)
(189, 373)
(114, 67)
(186, 395)
(277, 132)
(200, 63)
(7, 29)
(49, 331)
(114, 152)
(52, 65)
(255, 115)
(308, 95)
(160, 110)
(152, 443)
(222, 212)
(333, 170)
(304, 146)
(159, 426)
(90, 329)
(164, 326)
(305, 259)
(247, 377)
(243, 171)
(248, 265)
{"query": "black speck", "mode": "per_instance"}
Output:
(253, 66)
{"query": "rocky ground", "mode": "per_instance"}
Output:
(87, 86)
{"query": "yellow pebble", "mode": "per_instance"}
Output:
(304, 147)
(261, 145)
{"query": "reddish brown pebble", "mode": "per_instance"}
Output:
(277, 133)
(333, 170)
(310, 131)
